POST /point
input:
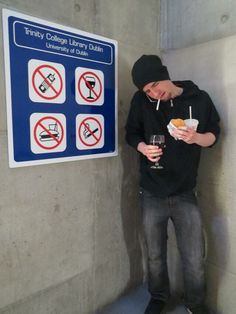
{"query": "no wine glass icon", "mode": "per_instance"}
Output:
(90, 83)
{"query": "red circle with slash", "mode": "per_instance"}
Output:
(38, 71)
(90, 132)
(82, 77)
(40, 124)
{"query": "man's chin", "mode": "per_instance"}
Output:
(165, 97)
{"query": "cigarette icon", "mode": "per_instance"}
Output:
(89, 134)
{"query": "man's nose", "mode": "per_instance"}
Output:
(156, 93)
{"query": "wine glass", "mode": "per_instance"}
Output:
(90, 83)
(157, 140)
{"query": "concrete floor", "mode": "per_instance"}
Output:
(136, 302)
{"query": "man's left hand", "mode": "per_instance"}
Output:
(188, 135)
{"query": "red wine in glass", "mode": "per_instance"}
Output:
(157, 140)
(90, 84)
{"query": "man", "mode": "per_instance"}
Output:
(167, 193)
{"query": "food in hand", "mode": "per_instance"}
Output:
(178, 122)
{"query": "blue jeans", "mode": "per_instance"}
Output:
(185, 214)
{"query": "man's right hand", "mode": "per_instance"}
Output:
(152, 152)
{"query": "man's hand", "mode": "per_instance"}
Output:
(190, 136)
(152, 152)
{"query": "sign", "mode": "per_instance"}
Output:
(61, 88)
(47, 132)
(46, 81)
(89, 86)
(90, 130)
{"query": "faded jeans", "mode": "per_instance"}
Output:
(186, 217)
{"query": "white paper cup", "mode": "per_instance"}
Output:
(191, 123)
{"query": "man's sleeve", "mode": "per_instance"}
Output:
(134, 125)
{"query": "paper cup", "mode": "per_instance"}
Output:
(191, 123)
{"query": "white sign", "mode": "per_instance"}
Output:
(89, 131)
(46, 81)
(47, 132)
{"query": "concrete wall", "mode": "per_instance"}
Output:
(189, 22)
(70, 232)
(212, 65)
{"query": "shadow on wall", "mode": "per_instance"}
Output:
(132, 216)
(211, 199)
(130, 206)
(213, 182)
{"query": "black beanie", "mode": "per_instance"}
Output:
(147, 69)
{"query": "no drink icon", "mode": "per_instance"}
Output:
(89, 86)
(90, 83)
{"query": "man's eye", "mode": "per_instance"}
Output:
(155, 84)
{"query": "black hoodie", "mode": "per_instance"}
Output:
(179, 160)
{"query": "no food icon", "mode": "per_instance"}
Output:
(47, 132)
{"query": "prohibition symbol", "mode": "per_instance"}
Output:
(90, 131)
(90, 79)
(48, 76)
(46, 81)
(89, 86)
(47, 132)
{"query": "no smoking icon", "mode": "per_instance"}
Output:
(89, 131)
(89, 86)
(46, 81)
